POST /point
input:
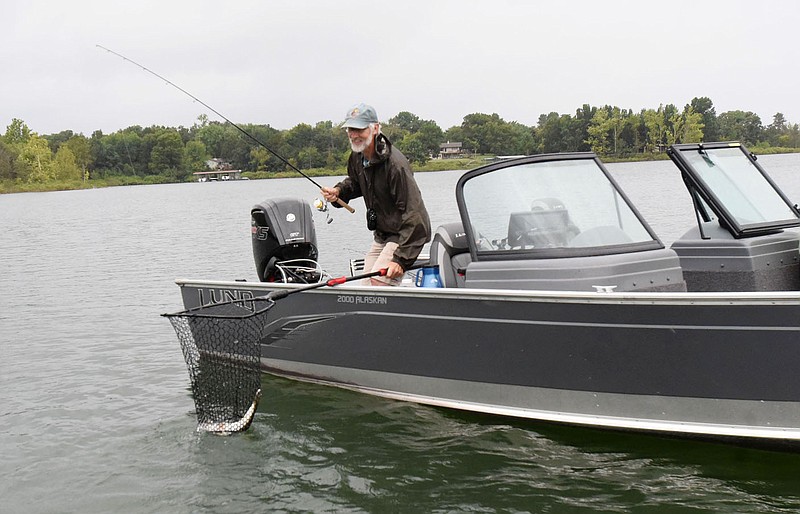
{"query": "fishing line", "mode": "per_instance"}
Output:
(240, 129)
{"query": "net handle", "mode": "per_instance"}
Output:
(283, 293)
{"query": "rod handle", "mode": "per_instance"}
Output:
(345, 205)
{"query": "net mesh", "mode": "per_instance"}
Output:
(221, 347)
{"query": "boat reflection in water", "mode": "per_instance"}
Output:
(558, 302)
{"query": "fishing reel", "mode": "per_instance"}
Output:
(322, 206)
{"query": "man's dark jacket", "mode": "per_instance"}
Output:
(388, 187)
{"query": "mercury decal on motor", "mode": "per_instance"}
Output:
(260, 233)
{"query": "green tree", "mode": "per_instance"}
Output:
(202, 121)
(224, 141)
(413, 147)
(705, 107)
(605, 131)
(212, 135)
(332, 141)
(166, 156)
(81, 148)
(56, 140)
(195, 156)
(599, 132)
(431, 136)
(790, 138)
(521, 138)
(629, 134)
(17, 133)
(393, 132)
(306, 146)
(310, 157)
(575, 130)
(477, 127)
(427, 135)
(740, 126)
(35, 161)
(8, 158)
(775, 129)
(237, 147)
(685, 126)
(300, 136)
(656, 128)
(124, 152)
(65, 167)
(260, 158)
(552, 130)
(563, 133)
(493, 135)
(455, 134)
(407, 121)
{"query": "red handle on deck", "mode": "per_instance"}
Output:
(341, 280)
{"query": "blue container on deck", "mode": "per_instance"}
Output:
(428, 276)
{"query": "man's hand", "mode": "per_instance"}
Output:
(331, 194)
(394, 270)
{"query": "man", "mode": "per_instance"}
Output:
(396, 213)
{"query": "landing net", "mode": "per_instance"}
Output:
(221, 347)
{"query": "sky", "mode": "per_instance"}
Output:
(302, 61)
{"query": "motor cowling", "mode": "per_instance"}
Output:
(283, 235)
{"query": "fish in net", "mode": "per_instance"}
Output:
(221, 346)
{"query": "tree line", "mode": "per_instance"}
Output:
(167, 154)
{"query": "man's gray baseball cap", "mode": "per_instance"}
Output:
(360, 116)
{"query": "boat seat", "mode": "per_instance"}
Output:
(540, 229)
(600, 236)
(450, 251)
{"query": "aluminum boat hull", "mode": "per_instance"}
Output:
(712, 365)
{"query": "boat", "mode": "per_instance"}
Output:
(556, 302)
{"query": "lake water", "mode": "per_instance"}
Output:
(96, 415)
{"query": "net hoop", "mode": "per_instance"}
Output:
(221, 344)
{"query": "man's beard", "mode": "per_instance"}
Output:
(360, 147)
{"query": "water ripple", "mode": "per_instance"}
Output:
(96, 416)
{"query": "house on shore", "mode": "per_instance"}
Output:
(450, 150)
(217, 164)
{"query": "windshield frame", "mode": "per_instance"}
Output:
(483, 254)
(723, 210)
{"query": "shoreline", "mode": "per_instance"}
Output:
(434, 165)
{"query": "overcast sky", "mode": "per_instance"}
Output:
(289, 62)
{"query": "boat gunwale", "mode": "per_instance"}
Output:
(661, 298)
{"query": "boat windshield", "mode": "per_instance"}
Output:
(537, 205)
(735, 187)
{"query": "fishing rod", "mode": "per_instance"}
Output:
(240, 129)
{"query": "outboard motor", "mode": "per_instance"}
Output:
(284, 241)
